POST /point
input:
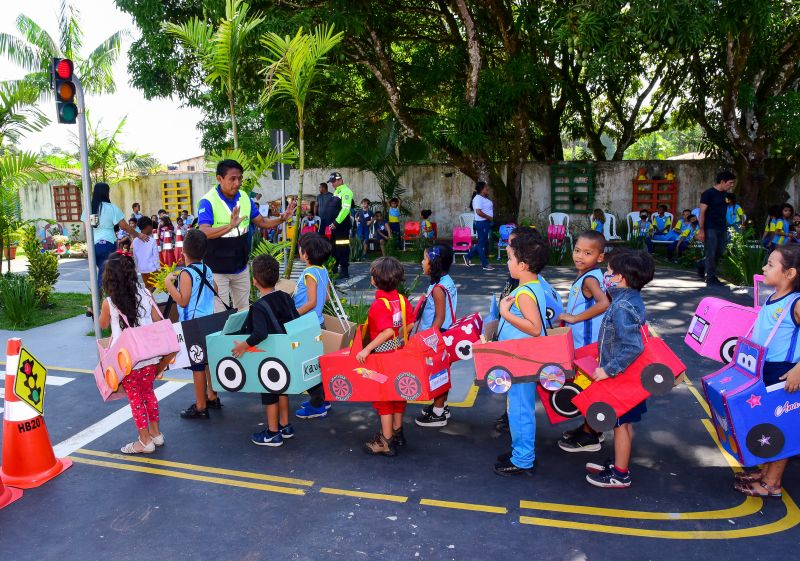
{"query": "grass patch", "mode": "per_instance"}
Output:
(105, 333)
(62, 305)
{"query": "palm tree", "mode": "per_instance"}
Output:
(37, 47)
(18, 111)
(220, 50)
(293, 65)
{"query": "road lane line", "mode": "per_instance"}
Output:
(193, 467)
(749, 506)
(107, 424)
(464, 506)
(191, 476)
(363, 495)
(57, 380)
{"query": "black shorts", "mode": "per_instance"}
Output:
(198, 367)
(270, 398)
(774, 370)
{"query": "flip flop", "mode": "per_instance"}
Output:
(747, 489)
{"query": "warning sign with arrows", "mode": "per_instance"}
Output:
(30, 381)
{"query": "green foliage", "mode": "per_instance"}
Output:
(42, 265)
(265, 247)
(18, 111)
(18, 299)
(255, 164)
(745, 256)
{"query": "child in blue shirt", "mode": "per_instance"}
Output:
(426, 231)
(734, 215)
(619, 344)
(522, 314)
(310, 297)
(364, 220)
(598, 221)
(683, 239)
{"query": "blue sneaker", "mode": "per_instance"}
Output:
(305, 404)
(610, 478)
(287, 431)
(267, 438)
(308, 412)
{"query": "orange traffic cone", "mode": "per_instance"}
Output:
(8, 495)
(28, 458)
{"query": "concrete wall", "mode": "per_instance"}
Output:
(441, 188)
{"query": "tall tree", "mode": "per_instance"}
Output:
(18, 111)
(220, 50)
(293, 65)
(744, 94)
(36, 47)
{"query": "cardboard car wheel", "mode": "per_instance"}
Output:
(124, 361)
(341, 388)
(463, 350)
(111, 378)
(498, 379)
(727, 348)
(408, 386)
(601, 416)
(765, 440)
(561, 401)
(273, 375)
(552, 377)
(230, 374)
(657, 379)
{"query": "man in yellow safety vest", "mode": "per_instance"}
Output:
(338, 216)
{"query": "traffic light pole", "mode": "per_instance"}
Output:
(87, 205)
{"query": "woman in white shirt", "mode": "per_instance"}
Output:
(483, 208)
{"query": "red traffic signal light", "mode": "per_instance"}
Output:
(61, 77)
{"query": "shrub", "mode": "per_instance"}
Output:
(42, 266)
(745, 256)
(18, 299)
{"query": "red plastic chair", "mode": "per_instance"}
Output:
(462, 241)
(411, 233)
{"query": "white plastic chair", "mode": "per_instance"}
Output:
(467, 220)
(632, 219)
(609, 226)
(558, 219)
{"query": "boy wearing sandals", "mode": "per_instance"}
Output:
(620, 343)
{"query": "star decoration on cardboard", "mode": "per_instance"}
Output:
(726, 379)
(764, 440)
(754, 400)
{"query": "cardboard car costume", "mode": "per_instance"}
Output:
(653, 372)
(463, 332)
(280, 364)
(718, 324)
(755, 423)
(418, 370)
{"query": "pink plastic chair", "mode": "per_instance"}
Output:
(462, 241)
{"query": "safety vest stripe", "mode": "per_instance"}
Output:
(19, 411)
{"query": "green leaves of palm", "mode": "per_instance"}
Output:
(18, 111)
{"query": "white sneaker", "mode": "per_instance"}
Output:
(130, 448)
(159, 440)
(490, 268)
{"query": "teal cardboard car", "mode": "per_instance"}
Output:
(280, 364)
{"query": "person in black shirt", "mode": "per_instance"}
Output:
(713, 223)
(267, 316)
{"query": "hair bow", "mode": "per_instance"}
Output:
(125, 253)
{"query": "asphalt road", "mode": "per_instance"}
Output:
(211, 494)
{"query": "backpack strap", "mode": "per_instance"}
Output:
(503, 321)
(204, 282)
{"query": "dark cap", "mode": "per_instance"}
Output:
(334, 176)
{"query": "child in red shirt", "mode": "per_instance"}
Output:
(387, 321)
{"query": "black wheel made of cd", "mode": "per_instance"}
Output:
(657, 379)
(601, 416)
(765, 440)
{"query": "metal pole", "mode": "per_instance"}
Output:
(87, 205)
(283, 198)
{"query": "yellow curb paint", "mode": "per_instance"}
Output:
(191, 476)
(790, 520)
(751, 505)
(363, 495)
(194, 467)
(464, 506)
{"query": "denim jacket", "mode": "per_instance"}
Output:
(620, 339)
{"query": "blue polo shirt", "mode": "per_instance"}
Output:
(205, 214)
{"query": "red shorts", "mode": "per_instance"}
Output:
(389, 407)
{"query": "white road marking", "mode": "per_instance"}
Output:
(57, 380)
(351, 281)
(109, 423)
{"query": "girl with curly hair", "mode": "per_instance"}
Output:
(128, 304)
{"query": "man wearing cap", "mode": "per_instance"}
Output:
(338, 216)
(224, 216)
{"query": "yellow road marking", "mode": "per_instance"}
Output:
(193, 467)
(751, 505)
(732, 462)
(464, 506)
(791, 519)
(363, 495)
(191, 476)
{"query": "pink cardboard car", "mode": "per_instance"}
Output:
(717, 324)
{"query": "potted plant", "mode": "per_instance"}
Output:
(61, 244)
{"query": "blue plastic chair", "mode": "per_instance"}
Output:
(505, 231)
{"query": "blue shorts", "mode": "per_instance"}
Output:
(634, 415)
(362, 232)
(198, 367)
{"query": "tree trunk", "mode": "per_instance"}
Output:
(761, 184)
(302, 166)
(233, 122)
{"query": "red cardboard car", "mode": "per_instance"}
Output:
(417, 371)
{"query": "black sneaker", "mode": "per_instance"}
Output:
(574, 433)
(399, 437)
(507, 469)
(506, 457)
(584, 442)
(429, 407)
(430, 419)
(714, 281)
(213, 403)
(610, 479)
(501, 423)
(192, 412)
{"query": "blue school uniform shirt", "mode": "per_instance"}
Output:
(201, 301)
(319, 274)
(554, 305)
(585, 332)
(533, 290)
(780, 228)
(783, 347)
(597, 225)
(734, 215)
(662, 224)
(429, 310)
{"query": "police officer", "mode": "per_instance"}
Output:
(338, 216)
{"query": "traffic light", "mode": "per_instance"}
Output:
(64, 88)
